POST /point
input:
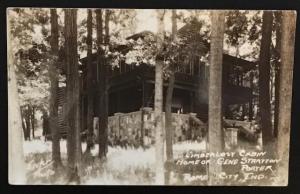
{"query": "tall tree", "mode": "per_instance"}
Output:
(90, 84)
(277, 68)
(16, 174)
(32, 120)
(264, 80)
(158, 102)
(53, 74)
(215, 130)
(27, 121)
(288, 28)
(100, 56)
(104, 88)
(168, 105)
(72, 78)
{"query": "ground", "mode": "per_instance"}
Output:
(121, 167)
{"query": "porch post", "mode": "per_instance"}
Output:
(251, 97)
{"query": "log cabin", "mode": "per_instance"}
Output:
(131, 87)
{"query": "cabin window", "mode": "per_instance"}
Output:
(115, 71)
(110, 71)
(196, 66)
(122, 68)
(126, 67)
(202, 70)
(97, 72)
(188, 68)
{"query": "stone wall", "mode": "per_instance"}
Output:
(135, 126)
(142, 123)
(125, 123)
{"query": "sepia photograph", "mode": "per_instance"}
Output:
(100, 96)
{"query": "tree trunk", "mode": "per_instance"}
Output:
(32, 120)
(27, 121)
(104, 87)
(277, 70)
(101, 85)
(90, 84)
(23, 122)
(288, 28)
(16, 169)
(215, 130)
(158, 103)
(264, 81)
(168, 107)
(202, 93)
(53, 104)
(73, 139)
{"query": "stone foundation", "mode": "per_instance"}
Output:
(138, 128)
(141, 123)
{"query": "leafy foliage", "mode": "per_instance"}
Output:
(175, 53)
(237, 23)
(30, 29)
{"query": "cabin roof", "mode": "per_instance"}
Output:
(140, 35)
(245, 64)
(191, 31)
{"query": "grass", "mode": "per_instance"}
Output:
(121, 167)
